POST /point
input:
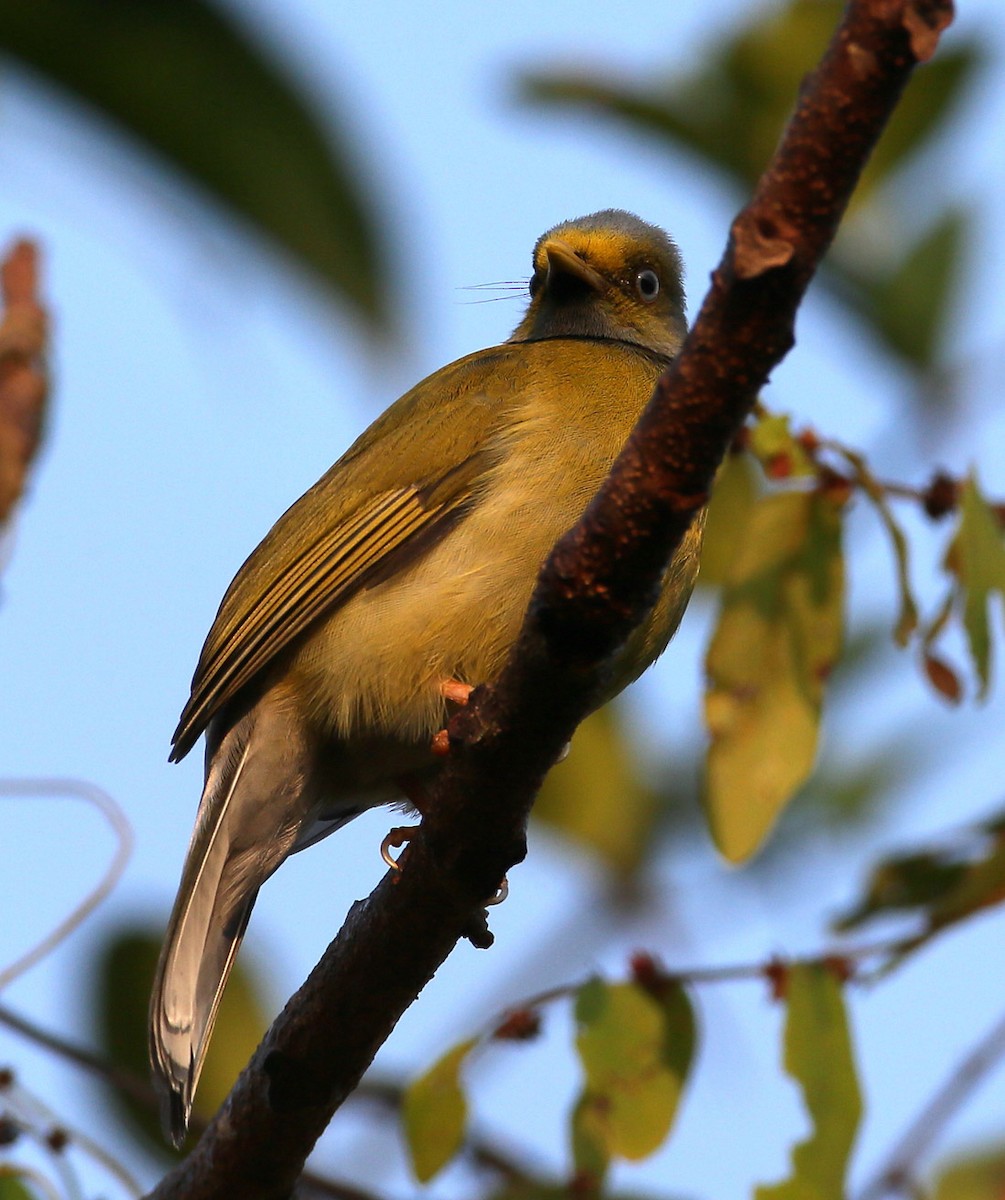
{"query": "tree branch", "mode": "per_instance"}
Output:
(597, 583)
(23, 382)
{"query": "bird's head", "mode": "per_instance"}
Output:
(608, 275)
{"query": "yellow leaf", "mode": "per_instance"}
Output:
(777, 450)
(597, 795)
(434, 1113)
(980, 1175)
(733, 498)
(779, 634)
(819, 1057)
(980, 558)
(631, 1092)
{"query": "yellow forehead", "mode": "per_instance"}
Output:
(606, 250)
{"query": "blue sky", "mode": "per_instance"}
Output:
(199, 389)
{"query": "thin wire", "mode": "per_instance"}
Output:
(116, 818)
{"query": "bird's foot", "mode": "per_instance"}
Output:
(454, 690)
(456, 693)
(400, 835)
(397, 837)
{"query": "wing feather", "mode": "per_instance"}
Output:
(252, 628)
(363, 520)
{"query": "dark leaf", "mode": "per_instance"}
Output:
(731, 109)
(124, 969)
(191, 85)
(908, 307)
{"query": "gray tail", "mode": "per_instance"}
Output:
(251, 810)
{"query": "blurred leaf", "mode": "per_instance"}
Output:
(737, 488)
(533, 1190)
(634, 1069)
(777, 449)
(907, 617)
(904, 884)
(943, 678)
(908, 305)
(680, 1029)
(591, 1154)
(597, 796)
(779, 634)
(974, 1177)
(979, 558)
(124, 971)
(942, 886)
(435, 1112)
(818, 1056)
(732, 108)
(191, 85)
(11, 1187)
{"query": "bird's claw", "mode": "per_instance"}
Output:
(396, 837)
(401, 834)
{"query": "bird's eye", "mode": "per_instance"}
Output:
(647, 283)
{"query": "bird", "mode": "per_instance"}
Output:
(399, 581)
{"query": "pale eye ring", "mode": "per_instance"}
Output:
(647, 284)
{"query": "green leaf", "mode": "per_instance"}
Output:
(908, 306)
(779, 634)
(736, 491)
(434, 1113)
(923, 108)
(124, 971)
(776, 448)
(523, 1189)
(818, 1056)
(635, 1069)
(11, 1187)
(942, 886)
(905, 884)
(185, 80)
(598, 797)
(731, 109)
(680, 1029)
(591, 1154)
(980, 560)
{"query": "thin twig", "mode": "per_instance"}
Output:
(897, 1177)
(125, 1082)
(120, 826)
(53, 1135)
(139, 1089)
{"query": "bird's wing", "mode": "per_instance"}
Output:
(366, 519)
